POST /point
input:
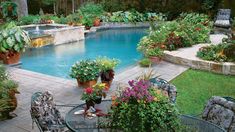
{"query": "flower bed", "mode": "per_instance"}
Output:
(223, 52)
(187, 30)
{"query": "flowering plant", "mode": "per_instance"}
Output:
(94, 92)
(141, 107)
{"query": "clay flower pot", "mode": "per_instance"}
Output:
(155, 59)
(96, 22)
(107, 78)
(87, 83)
(10, 57)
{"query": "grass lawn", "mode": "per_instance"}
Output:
(195, 87)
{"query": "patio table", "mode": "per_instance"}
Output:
(79, 123)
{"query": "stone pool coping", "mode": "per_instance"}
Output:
(116, 25)
(187, 57)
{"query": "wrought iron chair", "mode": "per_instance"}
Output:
(223, 21)
(45, 114)
(165, 86)
(220, 111)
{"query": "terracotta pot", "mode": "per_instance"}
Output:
(87, 27)
(10, 57)
(155, 59)
(89, 103)
(86, 84)
(96, 22)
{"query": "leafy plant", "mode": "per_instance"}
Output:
(12, 38)
(94, 92)
(9, 10)
(154, 52)
(141, 107)
(145, 62)
(85, 70)
(6, 89)
(30, 19)
(106, 63)
(221, 53)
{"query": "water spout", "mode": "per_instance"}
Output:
(37, 28)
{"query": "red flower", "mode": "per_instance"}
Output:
(89, 90)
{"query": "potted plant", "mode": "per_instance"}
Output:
(155, 54)
(100, 89)
(93, 95)
(9, 10)
(145, 62)
(141, 107)
(96, 22)
(13, 40)
(8, 100)
(86, 72)
(107, 66)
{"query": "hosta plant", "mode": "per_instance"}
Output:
(13, 38)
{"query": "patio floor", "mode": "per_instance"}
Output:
(66, 91)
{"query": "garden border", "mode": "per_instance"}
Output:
(227, 68)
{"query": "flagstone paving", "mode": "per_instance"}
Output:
(66, 91)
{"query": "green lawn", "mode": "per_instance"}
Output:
(195, 87)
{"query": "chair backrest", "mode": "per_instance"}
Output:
(44, 112)
(221, 112)
(223, 18)
(165, 86)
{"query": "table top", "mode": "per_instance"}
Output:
(80, 123)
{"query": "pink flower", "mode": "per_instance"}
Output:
(89, 90)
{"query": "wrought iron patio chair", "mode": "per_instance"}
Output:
(220, 111)
(223, 20)
(45, 114)
(165, 86)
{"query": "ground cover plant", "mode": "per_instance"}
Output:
(223, 52)
(195, 87)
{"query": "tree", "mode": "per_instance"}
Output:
(22, 7)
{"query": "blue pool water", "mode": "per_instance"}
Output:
(57, 60)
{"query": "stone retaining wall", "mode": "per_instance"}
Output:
(226, 68)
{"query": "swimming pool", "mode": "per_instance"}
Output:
(113, 43)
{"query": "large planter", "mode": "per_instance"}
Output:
(86, 84)
(10, 57)
(155, 59)
(96, 22)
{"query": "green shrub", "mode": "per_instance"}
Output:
(145, 62)
(189, 29)
(85, 70)
(132, 16)
(9, 10)
(30, 19)
(141, 107)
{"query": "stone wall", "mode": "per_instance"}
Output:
(67, 35)
(226, 68)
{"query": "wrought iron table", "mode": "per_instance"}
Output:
(80, 123)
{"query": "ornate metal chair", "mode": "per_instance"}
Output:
(220, 111)
(223, 21)
(165, 86)
(45, 114)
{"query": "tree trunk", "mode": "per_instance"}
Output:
(22, 7)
